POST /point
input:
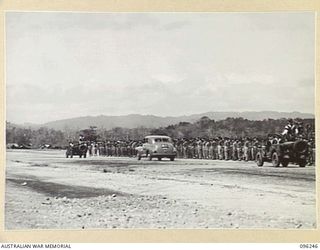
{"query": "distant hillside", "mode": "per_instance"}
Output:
(151, 121)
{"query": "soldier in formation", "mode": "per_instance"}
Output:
(235, 149)
(218, 148)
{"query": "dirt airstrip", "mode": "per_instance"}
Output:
(44, 190)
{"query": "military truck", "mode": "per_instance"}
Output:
(279, 152)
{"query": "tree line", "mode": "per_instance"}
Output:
(204, 128)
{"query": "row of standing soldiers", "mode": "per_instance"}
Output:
(114, 148)
(218, 149)
(229, 149)
(197, 148)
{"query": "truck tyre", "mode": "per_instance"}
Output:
(259, 159)
(302, 163)
(285, 162)
(275, 159)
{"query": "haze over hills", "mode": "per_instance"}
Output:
(152, 121)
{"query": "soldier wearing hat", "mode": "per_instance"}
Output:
(289, 131)
(226, 148)
(234, 149)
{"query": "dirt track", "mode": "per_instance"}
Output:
(47, 191)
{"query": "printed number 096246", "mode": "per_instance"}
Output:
(307, 246)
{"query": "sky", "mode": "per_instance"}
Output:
(63, 64)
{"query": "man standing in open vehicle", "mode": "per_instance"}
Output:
(290, 131)
(292, 147)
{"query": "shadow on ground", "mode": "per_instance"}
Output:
(60, 190)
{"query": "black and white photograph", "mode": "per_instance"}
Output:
(160, 120)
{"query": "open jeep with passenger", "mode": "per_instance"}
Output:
(282, 152)
(77, 149)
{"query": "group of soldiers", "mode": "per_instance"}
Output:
(236, 149)
(114, 148)
(197, 148)
(240, 149)
(243, 149)
(218, 148)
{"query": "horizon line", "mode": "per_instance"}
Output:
(162, 116)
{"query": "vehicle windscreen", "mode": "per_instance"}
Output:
(161, 140)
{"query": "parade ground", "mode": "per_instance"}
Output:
(45, 190)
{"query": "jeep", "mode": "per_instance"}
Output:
(283, 153)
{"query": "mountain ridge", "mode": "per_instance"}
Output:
(153, 121)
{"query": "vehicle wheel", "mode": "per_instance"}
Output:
(285, 162)
(171, 158)
(159, 158)
(150, 157)
(275, 159)
(259, 159)
(302, 163)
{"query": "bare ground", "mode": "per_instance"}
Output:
(44, 190)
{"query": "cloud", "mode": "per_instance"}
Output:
(62, 64)
(57, 21)
(302, 21)
(175, 25)
(307, 83)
